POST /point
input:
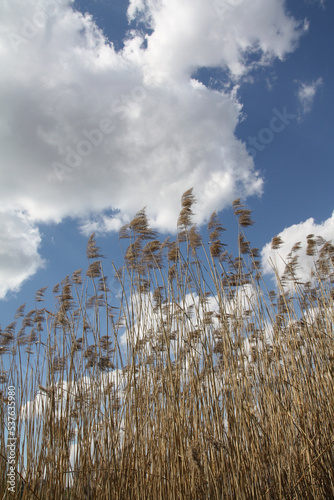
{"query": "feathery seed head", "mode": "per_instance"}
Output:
(276, 242)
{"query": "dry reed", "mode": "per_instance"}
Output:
(198, 384)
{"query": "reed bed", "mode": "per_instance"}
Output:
(194, 382)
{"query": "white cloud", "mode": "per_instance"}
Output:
(19, 243)
(198, 37)
(103, 224)
(87, 387)
(187, 315)
(36, 408)
(292, 235)
(85, 129)
(69, 398)
(307, 93)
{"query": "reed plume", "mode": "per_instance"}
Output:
(188, 380)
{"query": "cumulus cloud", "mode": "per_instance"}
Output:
(86, 130)
(290, 236)
(35, 408)
(190, 314)
(307, 93)
(70, 398)
(19, 243)
(85, 387)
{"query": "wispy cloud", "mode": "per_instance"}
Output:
(306, 94)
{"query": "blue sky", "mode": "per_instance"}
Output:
(107, 107)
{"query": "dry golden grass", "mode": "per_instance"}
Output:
(221, 390)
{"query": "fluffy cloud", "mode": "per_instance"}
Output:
(306, 94)
(290, 236)
(86, 130)
(85, 387)
(85, 391)
(194, 310)
(19, 258)
(232, 34)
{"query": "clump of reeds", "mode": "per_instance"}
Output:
(193, 381)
